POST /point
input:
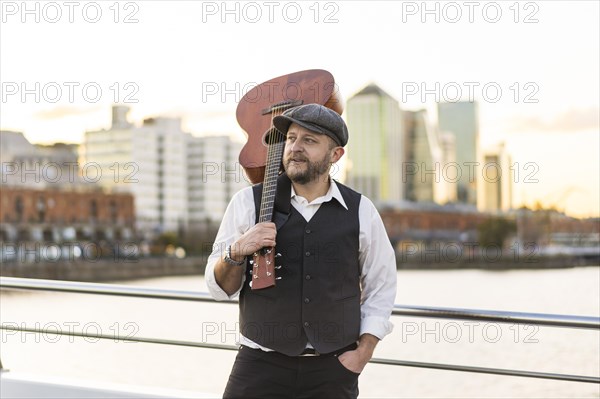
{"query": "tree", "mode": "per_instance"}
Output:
(168, 238)
(495, 230)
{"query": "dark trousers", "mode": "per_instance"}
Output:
(260, 374)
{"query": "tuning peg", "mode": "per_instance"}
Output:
(251, 262)
(277, 278)
(277, 255)
(269, 273)
(250, 284)
(278, 267)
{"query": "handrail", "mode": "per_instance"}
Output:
(497, 316)
(104, 289)
(411, 311)
(393, 362)
(500, 316)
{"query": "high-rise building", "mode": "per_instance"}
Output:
(148, 161)
(446, 188)
(462, 119)
(375, 147)
(497, 180)
(214, 175)
(422, 156)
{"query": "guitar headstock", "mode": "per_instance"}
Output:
(263, 269)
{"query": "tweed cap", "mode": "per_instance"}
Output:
(316, 118)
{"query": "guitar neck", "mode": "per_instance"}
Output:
(275, 153)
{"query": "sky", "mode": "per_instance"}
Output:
(532, 67)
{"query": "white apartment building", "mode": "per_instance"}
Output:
(214, 175)
(178, 180)
(148, 161)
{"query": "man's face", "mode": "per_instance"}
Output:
(307, 155)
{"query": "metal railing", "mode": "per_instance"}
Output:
(540, 319)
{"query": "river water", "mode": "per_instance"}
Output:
(550, 349)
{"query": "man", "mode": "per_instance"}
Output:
(312, 334)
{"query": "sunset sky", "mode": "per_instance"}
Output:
(161, 58)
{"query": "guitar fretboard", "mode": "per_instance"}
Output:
(274, 154)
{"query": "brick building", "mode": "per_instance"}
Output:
(56, 215)
(431, 225)
(550, 228)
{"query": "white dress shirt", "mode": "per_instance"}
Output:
(376, 255)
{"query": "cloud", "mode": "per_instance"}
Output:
(573, 120)
(63, 111)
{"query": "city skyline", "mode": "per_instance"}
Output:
(183, 60)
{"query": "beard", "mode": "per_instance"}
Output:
(311, 170)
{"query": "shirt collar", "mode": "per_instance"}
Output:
(332, 193)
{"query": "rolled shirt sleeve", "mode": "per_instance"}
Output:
(378, 273)
(239, 217)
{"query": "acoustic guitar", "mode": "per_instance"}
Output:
(261, 156)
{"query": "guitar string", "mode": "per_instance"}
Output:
(267, 181)
(269, 154)
(272, 169)
(267, 172)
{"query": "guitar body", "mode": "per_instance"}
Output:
(261, 156)
(254, 111)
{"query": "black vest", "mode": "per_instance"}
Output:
(317, 298)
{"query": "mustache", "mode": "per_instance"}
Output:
(296, 158)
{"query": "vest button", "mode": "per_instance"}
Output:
(306, 324)
(307, 231)
(307, 253)
(306, 300)
(307, 277)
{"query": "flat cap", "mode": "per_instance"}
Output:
(316, 118)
